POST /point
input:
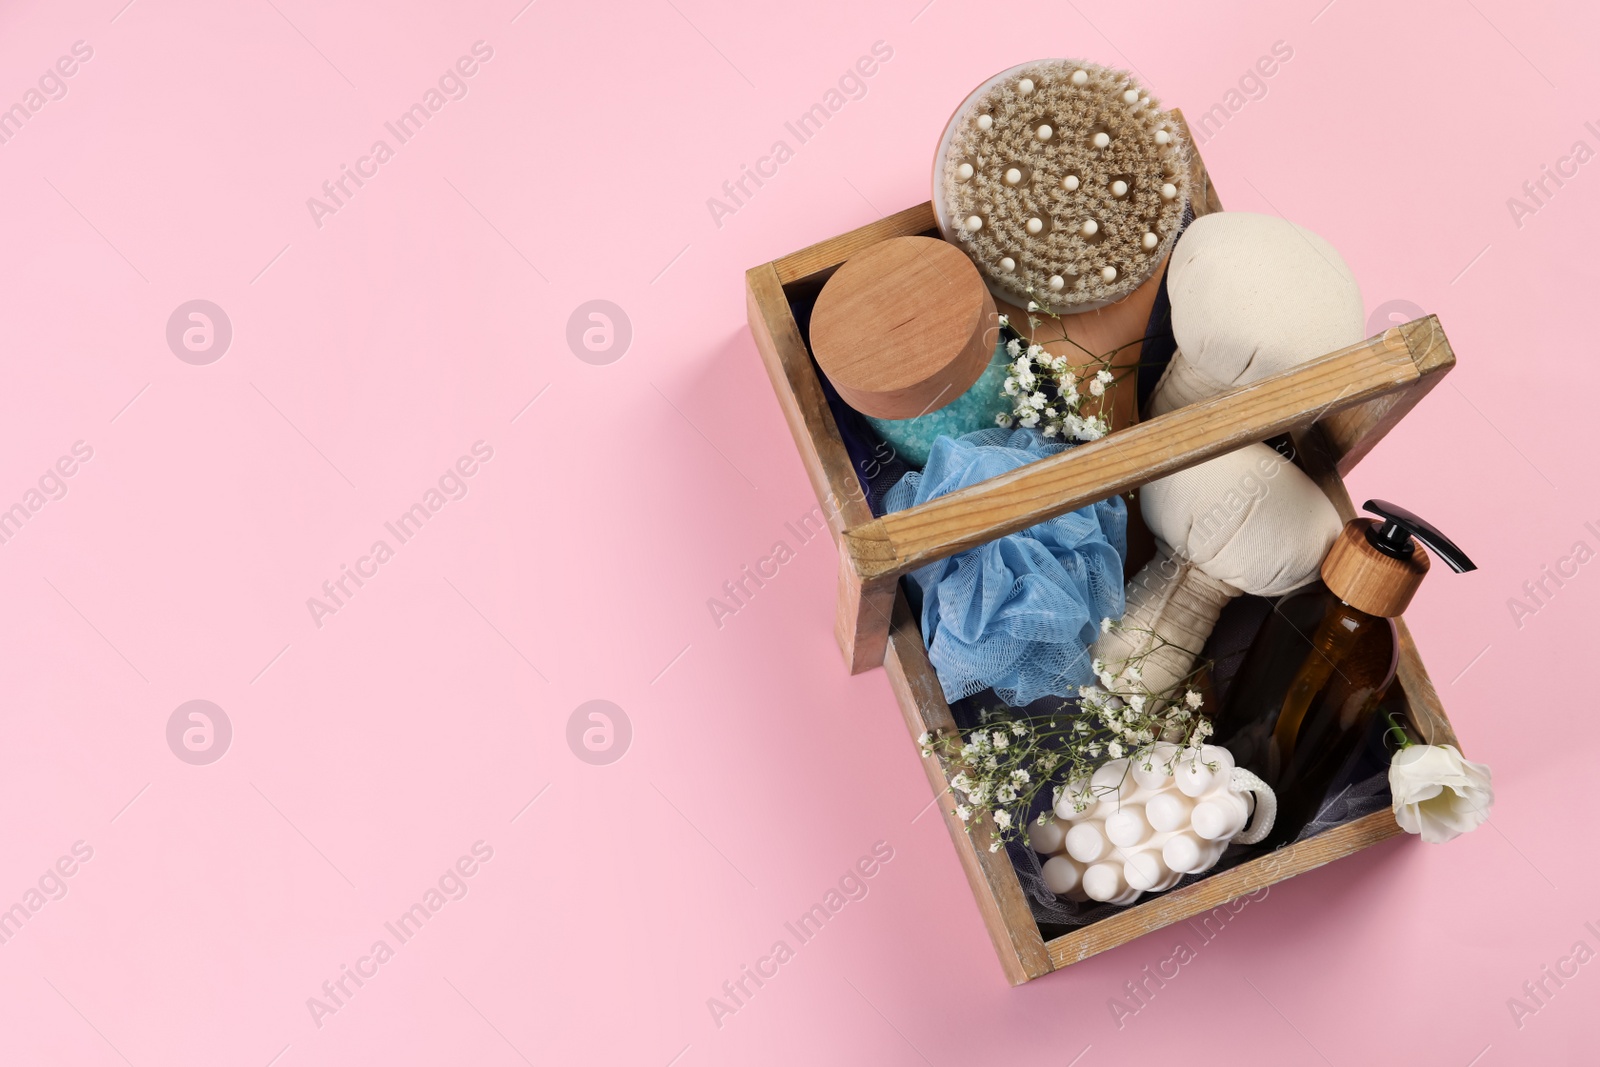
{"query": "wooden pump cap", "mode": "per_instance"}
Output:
(904, 327)
(1369, 580)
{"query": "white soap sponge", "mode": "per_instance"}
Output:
(1143, 822)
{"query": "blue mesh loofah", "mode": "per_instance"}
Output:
(1016, 615)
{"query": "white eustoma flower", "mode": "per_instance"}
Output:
(1437, 793)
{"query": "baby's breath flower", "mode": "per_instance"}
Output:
(1007, 763)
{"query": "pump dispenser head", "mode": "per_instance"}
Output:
(1376, 566)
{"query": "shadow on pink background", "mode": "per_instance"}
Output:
(421, 728)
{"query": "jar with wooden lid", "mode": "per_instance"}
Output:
(907, 333)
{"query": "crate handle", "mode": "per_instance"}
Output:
(1355, 396)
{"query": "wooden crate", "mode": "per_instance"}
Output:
(1336, 409)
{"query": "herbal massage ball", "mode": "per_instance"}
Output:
(1064, 181)
(1252, 296)
(1248, 521)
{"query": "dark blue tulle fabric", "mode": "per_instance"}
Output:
(1016, 615)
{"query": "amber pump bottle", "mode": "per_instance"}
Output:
(1320, 665)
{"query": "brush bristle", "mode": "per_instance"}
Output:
(1074, 168)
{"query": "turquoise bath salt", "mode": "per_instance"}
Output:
(974, 409)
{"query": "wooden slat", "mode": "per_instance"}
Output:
(1203, 199)
(994, 883)
(862, 617)
(905, 540)
(1212, 892)
(1354, 431)
(824, 256)
(805, 409)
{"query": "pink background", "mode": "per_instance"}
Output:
(371, 752)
